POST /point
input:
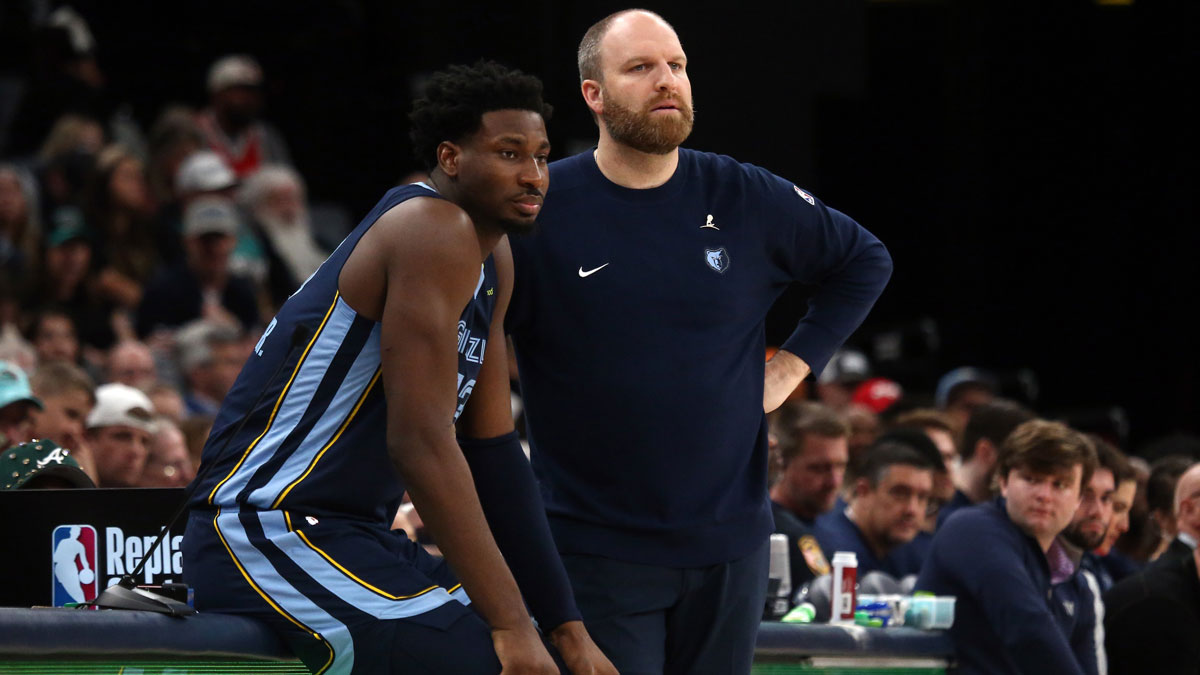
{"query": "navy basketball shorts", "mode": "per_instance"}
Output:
(664, 620)
(348, 596)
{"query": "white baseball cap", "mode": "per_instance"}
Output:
(235, 70)
(121, 404)
(203, 171)
(211, 214)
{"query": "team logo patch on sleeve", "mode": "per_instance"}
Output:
(807, 197)
(717, 259)
(814, 557)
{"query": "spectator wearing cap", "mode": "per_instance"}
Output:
(40, 465)
(65, 280)
(846, 370)
(962, 390)
(813, 453)
(168, 463)
(202, 173)
(203, 286)
(119, 430)
(887, 507)
(232, 124)
(1001, 560)
(877, 394)
(979, 448)
(17, 404)
(210, 357)
(67, 394)
(275, 199)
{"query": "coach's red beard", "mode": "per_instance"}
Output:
(652, 133)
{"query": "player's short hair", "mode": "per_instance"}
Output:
(796, 420)
(994, 421)
(588, 56)
(1046, 447)
(58, 377)
(455, 99)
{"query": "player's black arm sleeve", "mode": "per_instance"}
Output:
(513, 506)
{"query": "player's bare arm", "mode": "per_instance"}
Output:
(489, 414)
(415, 271)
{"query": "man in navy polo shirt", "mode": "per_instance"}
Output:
(638, 318)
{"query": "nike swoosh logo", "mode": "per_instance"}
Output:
(590, 272)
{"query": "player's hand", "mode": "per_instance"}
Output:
(581, 655)
(784, 372)
(521, 652)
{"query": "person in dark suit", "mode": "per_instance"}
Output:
(1152, 620)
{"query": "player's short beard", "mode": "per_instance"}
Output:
(641, 131)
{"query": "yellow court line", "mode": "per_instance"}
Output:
(267, 598)
(362, 583)
(345, 424)
(212, 495)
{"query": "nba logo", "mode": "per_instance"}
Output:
(73, 552)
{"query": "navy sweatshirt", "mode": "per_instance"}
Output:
(638, 317)
(1008, 617)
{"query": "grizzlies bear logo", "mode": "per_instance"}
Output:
(717, 259)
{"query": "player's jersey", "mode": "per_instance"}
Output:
(315, 440)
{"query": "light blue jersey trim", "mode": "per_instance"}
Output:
(360, 374)
(264, 574)
(298, 398)
(336, 582)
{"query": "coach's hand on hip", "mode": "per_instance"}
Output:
(785, 371)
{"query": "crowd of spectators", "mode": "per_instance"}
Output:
(138, 266)
(1066, 552)
(137, 270)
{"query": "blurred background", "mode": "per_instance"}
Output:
(1029, 165)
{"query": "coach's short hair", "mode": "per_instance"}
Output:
(455, 100)
(1046, 447)
(588, 56)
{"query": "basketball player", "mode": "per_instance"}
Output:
(363, 389)
(638, 319)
